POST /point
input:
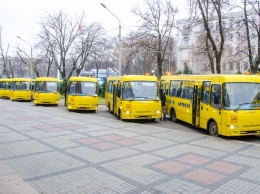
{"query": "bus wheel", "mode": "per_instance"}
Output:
(173, 116)
(213, 129)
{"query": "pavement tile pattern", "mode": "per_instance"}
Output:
(54, 151)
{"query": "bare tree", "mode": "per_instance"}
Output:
(137, 58)
(203, 52)
(89, 43)
(67, 42)
(252, 8)
(206, 11)
(4, 56)
(29, 60)
(156, 28)
(99, 54)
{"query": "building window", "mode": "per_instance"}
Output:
(238, 66)
(231, 22)
(217, 26)
(186, 41)
(238, 23)
(186, 29)
(224, 66)
(253, 19)
(224, 24)
(231, 66)
(231, 50)
(245, 65)
(230, 36)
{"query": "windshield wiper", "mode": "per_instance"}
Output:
(241, 105)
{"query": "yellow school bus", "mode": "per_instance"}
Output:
(227, 105)
(21, 89)
(82, 94)
(110, 84)
(134, 97)
(5, 86)
(46, 91)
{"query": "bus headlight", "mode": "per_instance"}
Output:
(157, 112)
(128, 112)
(232, 126)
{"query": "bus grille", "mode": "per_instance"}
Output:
(83, 108)
(251, 126)
(143, 111)
(250, 132)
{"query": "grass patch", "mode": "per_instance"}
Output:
(101, 100)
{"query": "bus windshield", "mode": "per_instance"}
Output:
(239, 96)
(21, 85)
(140, 90)
(46, 86)
(83, 88)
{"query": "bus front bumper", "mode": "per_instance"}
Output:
(141, 115)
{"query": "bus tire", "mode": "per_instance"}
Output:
(213, 129)
(173, 116)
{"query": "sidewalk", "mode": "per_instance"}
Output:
(11, 183)
(53, 151)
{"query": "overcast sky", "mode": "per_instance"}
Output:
(22, 17)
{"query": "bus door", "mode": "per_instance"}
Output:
(117, 97)
(166, 89)
(114, 97)
(196, 104)
(210, 105)
(215, 106)
(204, 104)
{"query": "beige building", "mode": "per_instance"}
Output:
(190, 52)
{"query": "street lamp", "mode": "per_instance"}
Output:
(31, 65)
(120, 45)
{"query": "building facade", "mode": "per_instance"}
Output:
(191, 50)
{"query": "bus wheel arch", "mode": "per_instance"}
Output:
(120, 115)
(109, 109)
(173, 115)
(213, 128)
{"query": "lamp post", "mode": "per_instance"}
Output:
(120, 45)
(31, 56)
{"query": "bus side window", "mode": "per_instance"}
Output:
(205, 92)
(215, 95)
(166, 89)
(178, 92)
(118, 93)
(173, 93)
(183, 95)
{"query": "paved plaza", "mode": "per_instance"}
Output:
(48, 150)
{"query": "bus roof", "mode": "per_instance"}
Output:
(89, 79)
(5, 79)
(53, 79)
(214, 78)
(134, 78)
(22, 79)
